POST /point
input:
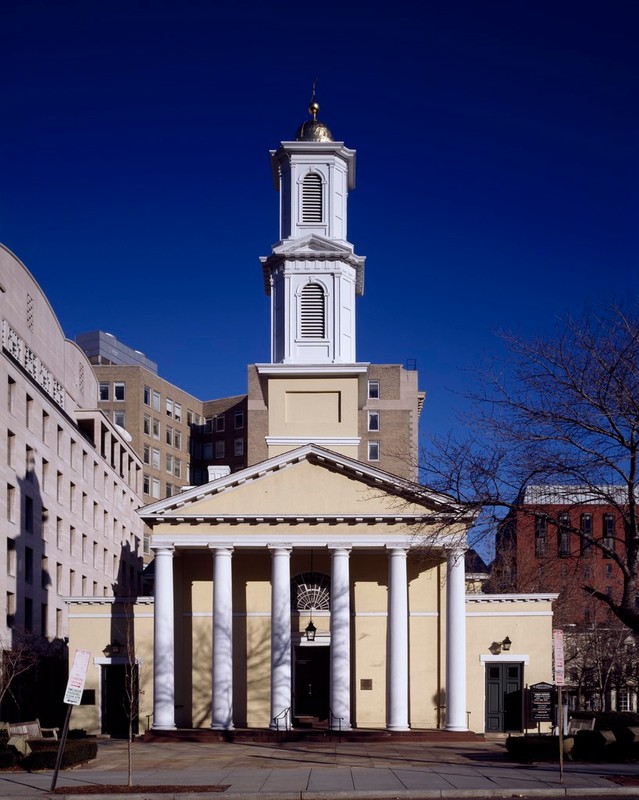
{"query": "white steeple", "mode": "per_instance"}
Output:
(313, 274)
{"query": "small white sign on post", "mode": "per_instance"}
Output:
(77, 676)
(558, 652)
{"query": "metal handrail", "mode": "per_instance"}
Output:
(283, 716)
(331, 718)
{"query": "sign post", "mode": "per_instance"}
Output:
(558, 660)
(72, 697)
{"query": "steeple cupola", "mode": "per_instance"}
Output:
(313, 275)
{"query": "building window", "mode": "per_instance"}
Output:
(29, 411)
(147, 454)
(373, 420)
(177, 467)
(118, 390)
(564, 535)
(169, 434)
(146, 395)
(624, 700)
(239, 420)
(219, 449)
(28, 514)
(11, 557)
(373, 451)
(586, 534)
(11, 609)
(169, 407)
(541, 535)
(119, 417)
(238, 447)
(156, 401)
(177, 412)
(169, 493)
(104, 391)
(28, 615)
(147, 424)
(312, 325)
(156, 428)
(177, 440)
(312, 198)
(155, 490)
(169, 463)
(208, 424)
(373, 390)
(11, 500)
(11, 392)
(608, 533)
(146, 484)
(11, 448)
(28, 565)
(207, 451)
(220, 423)
(155, 458)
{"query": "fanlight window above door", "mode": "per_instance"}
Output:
(311, 590)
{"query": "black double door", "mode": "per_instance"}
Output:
(504, 698)
(119, 699)
(311, 687)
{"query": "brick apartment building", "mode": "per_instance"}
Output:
(560, 539)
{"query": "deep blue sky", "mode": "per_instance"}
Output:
(497, 174)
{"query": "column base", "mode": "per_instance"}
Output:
(218, 727)
(398, 727)
(164, 727)
(456, 728)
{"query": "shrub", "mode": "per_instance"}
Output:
(527, 749)
(44, 754)
(8, 758)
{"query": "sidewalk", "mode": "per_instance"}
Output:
(328, 770)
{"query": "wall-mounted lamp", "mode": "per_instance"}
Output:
(113, 649)
(496, 647)
(310, 631)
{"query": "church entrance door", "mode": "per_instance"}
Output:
(311, 689)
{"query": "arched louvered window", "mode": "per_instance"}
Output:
(312, 312)
(311, 591)
(312, 198)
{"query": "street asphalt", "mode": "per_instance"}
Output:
(325, 771)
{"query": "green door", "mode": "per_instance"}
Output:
(504, 697)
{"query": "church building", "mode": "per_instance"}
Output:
(315, 586)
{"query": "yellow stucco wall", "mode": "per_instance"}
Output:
(93, 626)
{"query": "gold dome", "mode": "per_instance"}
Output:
(313, 130)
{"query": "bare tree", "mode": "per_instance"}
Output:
(16, 657)
(561, 411)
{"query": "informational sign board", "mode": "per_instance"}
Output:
(558, 654)
(542, 701)
(77, 676)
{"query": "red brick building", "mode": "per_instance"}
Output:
(560, 539)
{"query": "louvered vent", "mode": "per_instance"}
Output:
(312, 312)
(312, 198)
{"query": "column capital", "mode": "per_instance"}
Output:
(286, 546)
(222, 547)
(336, 547)
(163, 549)
(397, 549)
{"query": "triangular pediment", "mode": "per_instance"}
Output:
(308, 484)
(314, 247)
(313, 243)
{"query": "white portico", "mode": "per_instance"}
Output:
(382, 601)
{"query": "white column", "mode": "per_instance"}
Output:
(163, 644)
(456, 719)
(222, 697)
(280, 630)
(340, 636)
(397, 640)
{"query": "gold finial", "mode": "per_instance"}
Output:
(314, 105)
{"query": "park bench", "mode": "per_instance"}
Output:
(21, 733)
